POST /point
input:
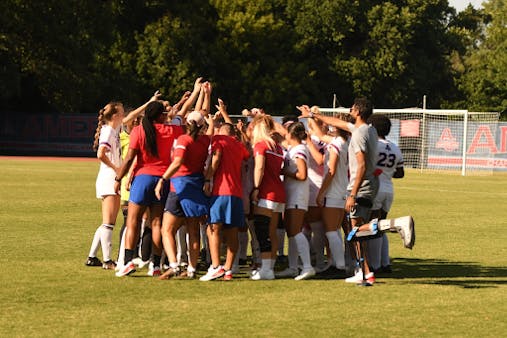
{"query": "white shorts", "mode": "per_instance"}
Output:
(296, 206)
(104, 185)
(273, 206)
(333, 202)
(312, 199)
(384, 201)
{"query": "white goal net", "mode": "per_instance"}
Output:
(442, 140)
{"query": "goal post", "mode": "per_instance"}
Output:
(442, 140)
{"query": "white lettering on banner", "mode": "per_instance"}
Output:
(484, 150)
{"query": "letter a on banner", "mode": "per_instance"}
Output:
(447, 141)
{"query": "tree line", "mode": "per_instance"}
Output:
(74, 56)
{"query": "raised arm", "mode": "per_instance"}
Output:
(191, 100)
(222, 108)
(136, 112)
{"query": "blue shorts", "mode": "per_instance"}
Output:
(191, 195)
(142, 191)
(227, 210)
(173, 205)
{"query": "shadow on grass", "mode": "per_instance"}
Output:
(443, 272)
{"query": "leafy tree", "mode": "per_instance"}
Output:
(485, 67)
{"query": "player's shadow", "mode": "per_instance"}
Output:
(444, 272)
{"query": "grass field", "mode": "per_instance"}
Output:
(453, 283)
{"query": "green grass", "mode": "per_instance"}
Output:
(453, 283)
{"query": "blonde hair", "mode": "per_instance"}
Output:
(105, 115)
(263, 126)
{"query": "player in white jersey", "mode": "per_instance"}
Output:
(316, 149)
(107, 145)
(390, 162)
(297, 191)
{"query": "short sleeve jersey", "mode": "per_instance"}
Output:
(227, 178)
(364, 139)
(271, 187)
(338, 187)
(110, 139)
(194, 154)
(389, 159)
(147, 164)
(292, 185)
(316, 171)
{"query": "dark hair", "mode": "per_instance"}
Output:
(364, 107)
(105, 115)
(193, 129)
(229, 128)
(381, 123)
(289, 118)
(347, 118)
(298, 131)
(152, 112)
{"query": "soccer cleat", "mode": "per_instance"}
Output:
(170, 273)
(370, 278)
(140, 263)
(228, 275)
(109, 265)
(127, 269)
(305, 274)
(154, 271)
(93, 261)
(213, 273)
(186, 275)
(357, 278)
(405, 227)
(287, 273)
(263, 275)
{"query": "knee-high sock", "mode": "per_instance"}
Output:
(146, 244)
(318, 242)
(181, 245)
(281, 240)
(106, 241)
(303, 248)
(385, 260)
(121, 251)
(336, 246)
(374, 252)
(95, 243)
(243, 244)
(293, 253)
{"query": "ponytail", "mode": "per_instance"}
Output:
(152, 112)
(100, 123)
(105, 115)
(151, 136)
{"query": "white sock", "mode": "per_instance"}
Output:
(95, 243)
(374, 252)
(121, 254)
(303, 250)
(181, 244)
(318, 242)
(281, 240)
(385, 260)
(336, 246)
(266, 264)
(243, 244)
(106, 240)
(293, 253)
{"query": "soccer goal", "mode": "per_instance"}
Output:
(442, 140)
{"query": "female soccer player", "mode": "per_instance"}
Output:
(268, 194)
(297, 191)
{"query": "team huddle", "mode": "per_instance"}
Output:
(195, 186)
